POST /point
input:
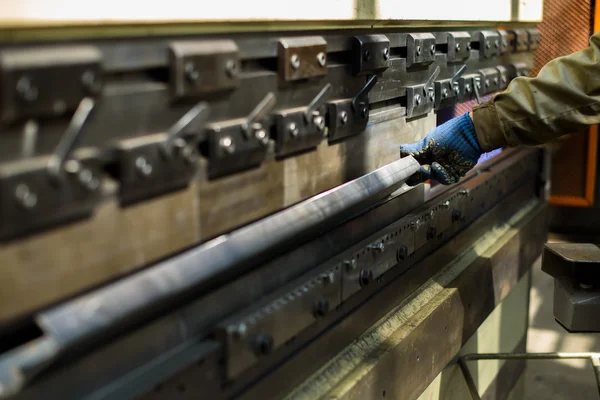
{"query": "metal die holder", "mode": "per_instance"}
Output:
(459, 46)
(259, 331)
(488, 43)
(490, 80)
(301, 57)
(302, 128)
(505, 41)
(420, 49)
(155, 164)
(370, 54)
(45, 82)
(466, 85)
(203, 67)
(504, 75)
(421, 98)
(43, 191)
(518, 69)
(447, 90)
(239, 144)
(534, 39)
(520, 40)
(349, 117)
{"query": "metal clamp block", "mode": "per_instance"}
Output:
(490, 80)
(370, 54)
(420, 49)
(44, 82)
(301, 57)
(199, 68)
(420, 99)
(518, 69)
(505, 41)
(302, 128)
(504, 75)
(239, 144)
(349, 117)
(487, 42)
(459, 46)
(520, 40)
(447, 90)
(533, 39)
(155, 164)
(466, 86)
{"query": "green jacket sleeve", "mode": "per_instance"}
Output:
(563, 98)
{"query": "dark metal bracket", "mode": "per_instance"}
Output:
(420, 99)
(447, 90)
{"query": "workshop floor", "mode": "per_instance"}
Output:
(556, 380)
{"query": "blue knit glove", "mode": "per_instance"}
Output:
(447, 153)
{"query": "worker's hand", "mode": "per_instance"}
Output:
(447, 153)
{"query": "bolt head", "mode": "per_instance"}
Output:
(231, 68)
(143, 167)
(455, 87)
(364, 112)
(457, 46)
(504, 43)
(386, 53)
(467, 88)
(26, 198)
(261, 135)
(488, 45)
(293, 129)
(469, 47)
(319, 122)
(321, 307)
(366, 55)
(350, 265)
(191, 72)
(27, 91)
(240, 331)
(418, 50)
(295, 61)
(504, 80)
(88, 180)
(91, 82)
(365, 277)
(417, 99)
(487, 83)
(432, 49)
(328, 277)
(343, 118)
(444, 93)
(227, 145)
(496, 44)
(495, 80)
(321, 59)
(431, 95)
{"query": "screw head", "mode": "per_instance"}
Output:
(444, 93)
(432, 49)
(321, 307)
(88, 180)
(418, 50)
(143, 167)
(27, 91)
(295, 61)
(231, 68)
(495, 80)
(191, 72)
(227, 145)
(343, 118)
(446, 205)
(496, 44)
(365, 277)
(319, 122)
(366, 55)
(487, 83)
(321, 59)
(91, 82)
(467, 88)
(469, 47)
(431, 94)
(504, 79)
(293, 129)
(488, 45)
(380, 247)
(25, 196)
(328, 277)
(455, 87)
(261, 135)
(417, 99)
(364, 112)
(386, 53)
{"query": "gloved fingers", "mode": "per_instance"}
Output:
(420, 150)
(453, 170)
(442, 175)
(423, 174)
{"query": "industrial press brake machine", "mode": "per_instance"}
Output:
(218, 209)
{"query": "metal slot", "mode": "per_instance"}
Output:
(257, 332)
(459, 46)
(44, 82)
(40, 192)
(533, 39)
(488, 43)
(447, 90)
(490, 80)
(370, 54)
(240, 144)
(520, 40)
(302, 57)
(302, 128)
(350, 116)
(420, 49)
(200, 68)
(155, 164)
(420, 99)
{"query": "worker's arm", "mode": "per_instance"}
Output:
(563, 98)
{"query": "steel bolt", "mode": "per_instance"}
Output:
(432, 49)
(143, 166)
(444, 93)
(88, 180)
(350, 265)
(231, 68)
(262, 344)
(455, 87)
(417, 99)
(504, 43)
(467, 88)
(418, 51)
(227, 145)
(293, 129)
(496, 44)
(343, 118)
(401, 253)
(27, 90)
(380, 247)
(487, 83)
(386, 53)
(191, 72)
(431, 95)
(240, 330)
(464, 192)
(456, 215)
(328, 277)
(91, 82)
(261, 135)
(319, 122)
(187, 153)
(365, 277)
(446, 205)
(495, 80)
(469, 47)
(504, 80)
(364, 112)
(295, 61)
(26, 198)
(366, 55)
(321, 59)
(431, 232)
(457, 47)
(488, 45)
(321, 307)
